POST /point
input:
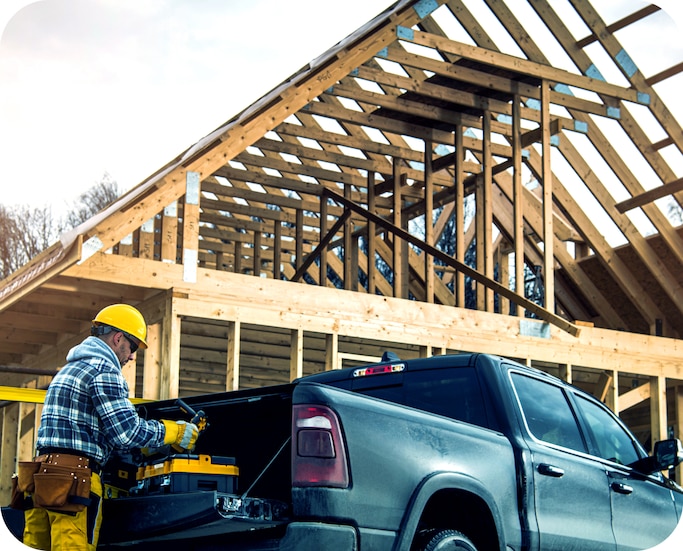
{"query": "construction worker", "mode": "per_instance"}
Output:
(86, 415)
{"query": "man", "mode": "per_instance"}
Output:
(86, 415)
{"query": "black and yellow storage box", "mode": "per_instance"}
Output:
(188, 473)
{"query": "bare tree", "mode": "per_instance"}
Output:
(93, 201)
(26, 231)
(675, 212)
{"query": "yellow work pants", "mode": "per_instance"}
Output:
(55, 531)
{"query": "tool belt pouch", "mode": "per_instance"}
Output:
(62, 488)
(22, 483)
(18, 500)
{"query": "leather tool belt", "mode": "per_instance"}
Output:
(55, 481)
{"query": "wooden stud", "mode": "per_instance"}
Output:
(191, 226)
(429, 225)
(350, 275)
(518, 200)
(332, 351)
(487, 213)
(232, 379)
(296, 362)
(547, 181)
(257, 254)
(371, 237)
(238, 257)
(459, 202)
(504, 273)
(146, 244)
(9, 455)
(634, 396)
(322, 280)
(299, 237)
(152, 363)
(565, 372)
(129, 372)
(169, 385)
(658, 419)
(678, 427)
(397, 220)
(277, 249)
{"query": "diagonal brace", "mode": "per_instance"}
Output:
(520, 300)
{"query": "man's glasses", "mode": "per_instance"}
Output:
(133, 344)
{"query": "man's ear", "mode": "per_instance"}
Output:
(116, 338)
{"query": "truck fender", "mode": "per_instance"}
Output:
(444, 481)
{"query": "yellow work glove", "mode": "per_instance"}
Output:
(180, 434)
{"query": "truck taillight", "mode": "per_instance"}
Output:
(318, 453)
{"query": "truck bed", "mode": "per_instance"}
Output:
(253, 427)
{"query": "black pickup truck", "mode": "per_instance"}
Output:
(468, 452)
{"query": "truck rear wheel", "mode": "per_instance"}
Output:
(449, 540)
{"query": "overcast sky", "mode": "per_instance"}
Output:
(123, 86)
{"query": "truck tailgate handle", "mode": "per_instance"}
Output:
(622, 488)
(550, 470)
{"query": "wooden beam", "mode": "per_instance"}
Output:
(169, 233)
(146, 244)
(650, 196)
(296, 362)
(547, 203)
(634, 397)
(169, 383)
(518, 199)
(9, 417)
(603, 385)
(429, 224)
(678, 415)
(486, 214)
(232, 377)
(658, 419)
(663, 75)
(620, 24)
(494, 82)
(152, 363)
(332, 351)
(371, 237)
(517, 65)
(397, 259)
(459, 208)
(191, 226)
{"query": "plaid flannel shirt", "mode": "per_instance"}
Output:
(87, 407)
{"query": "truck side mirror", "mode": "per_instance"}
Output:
(668, 454)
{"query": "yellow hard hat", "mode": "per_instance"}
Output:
(124, 318)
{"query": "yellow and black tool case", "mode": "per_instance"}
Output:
(184, 473)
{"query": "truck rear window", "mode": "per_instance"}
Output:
(453, 393)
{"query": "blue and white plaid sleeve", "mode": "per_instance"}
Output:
(120, 422)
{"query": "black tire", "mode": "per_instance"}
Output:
(449, 540)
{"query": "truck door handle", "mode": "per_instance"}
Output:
(550, 470)
(622, 488)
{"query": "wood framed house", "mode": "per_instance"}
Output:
(423, 186)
